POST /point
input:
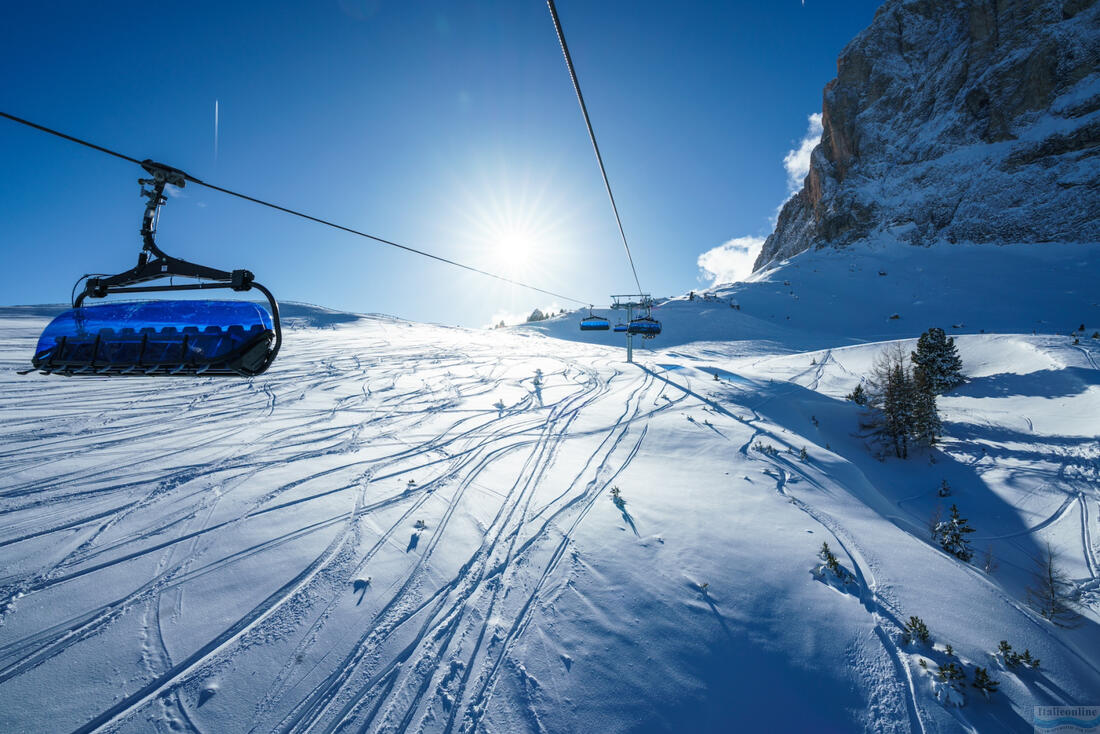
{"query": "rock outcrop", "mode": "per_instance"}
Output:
(957, 120)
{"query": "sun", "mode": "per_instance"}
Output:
(512, 223)
(513, 249)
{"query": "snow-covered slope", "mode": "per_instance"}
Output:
(830, 297)
(408, 527)
(966, 122)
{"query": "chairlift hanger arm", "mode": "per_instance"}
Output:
(162, 265)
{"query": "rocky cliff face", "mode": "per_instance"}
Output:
(960, 120)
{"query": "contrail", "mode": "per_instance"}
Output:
(215, 131)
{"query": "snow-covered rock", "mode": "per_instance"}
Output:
(969, 121)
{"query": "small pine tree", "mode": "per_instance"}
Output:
(830, 560)
(803, 456)
(1029, 661)
(949, 651)
(857, 396)
(945, 489)
(951, 534)
(983, 682)
(1011, 658)
(617, 498)
(915, 630)
(950, 672)
(937, 357)
(1051, 593)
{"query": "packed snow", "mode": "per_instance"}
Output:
(408, 527)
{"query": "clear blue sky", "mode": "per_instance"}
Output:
(448, 126)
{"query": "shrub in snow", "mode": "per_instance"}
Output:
(949, 651)
(951, 534)
(983, 682)
(934, 521)
(1051, 594)
(803, 456)
(989, 563)
(420, 525)
(915, 630)
(945, 489)
(1096, 335)
(616, 497)
(938, 360)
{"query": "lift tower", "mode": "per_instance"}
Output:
(630, 302)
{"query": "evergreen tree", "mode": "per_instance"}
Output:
(1051, 594)
(926, 423)
(857, 396)
(983, 682)
(831, 562)
(951, 534)
(915, 630)
(1029, 661)
(938, 359)
(1011, 658)
(950, 672)
(897, 409)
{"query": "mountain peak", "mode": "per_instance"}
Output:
(958, 121)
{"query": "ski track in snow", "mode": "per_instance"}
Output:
(458, 455)
(320, 468)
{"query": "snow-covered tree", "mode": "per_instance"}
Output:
(830, 560)
(938, 359)
(1051, 594)
(951, 534)
(537, 315)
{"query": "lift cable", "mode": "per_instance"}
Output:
(592, 135)
(295, 213)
